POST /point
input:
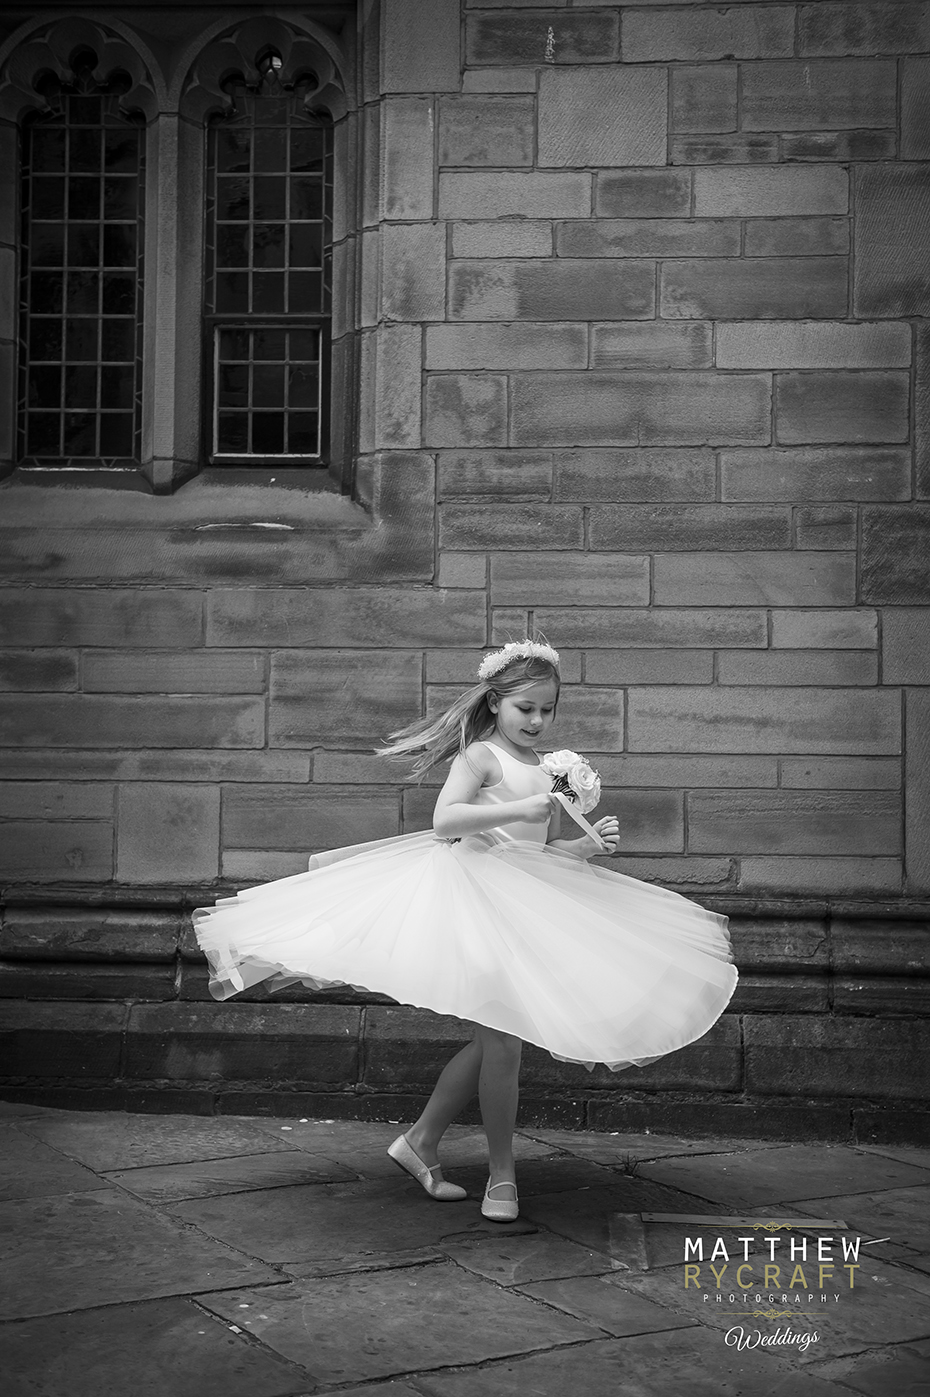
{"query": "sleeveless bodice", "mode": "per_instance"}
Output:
(518, 782)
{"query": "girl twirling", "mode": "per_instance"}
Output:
(492, 916)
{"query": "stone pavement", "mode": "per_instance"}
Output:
(188, 1256)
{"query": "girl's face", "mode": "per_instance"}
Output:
(524, 715)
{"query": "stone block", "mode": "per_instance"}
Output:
(679, 772)
(828, 721)
(69, 935)
(466, 410)
(630, 667)
(504, 475)
(839, 145)
(79, 1042)
(164, 672)
(915, 109)
(648, 237)
(795, 822)
(558, 579)
(33, 851)
(317, 695)
(243, 1042)
(832, 95)
(854, 407)
(724, 150)
(818, 1056)
(515, 526)
(93, 720)
(652, 344)
(816, 473)
(762, 31)
(796, 237)
(522, 194)
(922, 412)
(421, 46)
(814, 345)
(703, 98)
(643, 194)
(637, 474)
(753, 288)
(356, 768)
(847, 629)
(542, 36)
(499, 79)
(167, 833)
(649, 528)
(685, 872)
(825, 526)
(812, 877)
(409, 1045)
(511, 347)
(755, 579)
(569, 289)
(483, 130)
(459, 667)
(895, 543)
(879, 947)
(892, 240)
(863, 28)
(39, 671)
(118, 618)
(100, 982)
(906, 646)
(651, 822)
(812, 668)
(841, 773)
(408, 174)
(502, 238)
(318, 817)
(748, 193)
(917, 787)
(397, 396)
(640, 408)
(413, 271)
(247, 866)
(182, 764)
(631, 103)
(653, 628)
(55, 800)
(353, 617)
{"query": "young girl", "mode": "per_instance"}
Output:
(492, 916)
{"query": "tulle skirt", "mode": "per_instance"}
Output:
(585, 962)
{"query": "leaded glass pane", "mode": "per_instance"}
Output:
(81, 296)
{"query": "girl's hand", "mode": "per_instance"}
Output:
(538, 809)
(608, 827)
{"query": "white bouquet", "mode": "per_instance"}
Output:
(574, 777)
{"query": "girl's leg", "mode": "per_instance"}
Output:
(457, 1084)
(498, 1093)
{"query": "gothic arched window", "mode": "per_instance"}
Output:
(83, 165)
(268, 273)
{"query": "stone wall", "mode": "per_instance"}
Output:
(635, 306)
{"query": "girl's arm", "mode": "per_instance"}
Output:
(584, 848)
(456, 816)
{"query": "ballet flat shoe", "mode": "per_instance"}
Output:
(407, 1159)
(500, 1209)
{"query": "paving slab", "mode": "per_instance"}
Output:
(904, 1213)
(380, 1261)
(117, 1140)
(378, 1324)
(881, 1309)
(618, 1147)
(536, 1176)
(903, 1370)
(327, 1220)
(907, 1154)
(763, 1177)
(164, 1183)
(31, 1169)
(685, 1363)
(597, 1300)
(157, 1348)
(598, 1218)
(520, 1260)
(79, 1250)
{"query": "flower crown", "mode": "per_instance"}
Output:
(516, 650)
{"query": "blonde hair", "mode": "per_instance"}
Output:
(469, 719)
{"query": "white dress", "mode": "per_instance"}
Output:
(495, 928)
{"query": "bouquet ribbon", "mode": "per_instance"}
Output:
(581, 821)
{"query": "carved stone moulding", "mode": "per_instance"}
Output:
(52, 52)
(236, 56)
